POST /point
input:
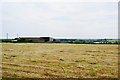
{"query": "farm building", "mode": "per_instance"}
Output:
(37, 39)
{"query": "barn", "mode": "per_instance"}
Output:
(37, 39)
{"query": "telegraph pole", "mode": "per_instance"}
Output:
(7, 35)
(17, 35)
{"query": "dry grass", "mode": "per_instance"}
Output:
(41, 60)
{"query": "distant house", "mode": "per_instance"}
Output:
(97, 42)
(14, 41)
(37, 39)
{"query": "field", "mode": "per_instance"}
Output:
(55, 60)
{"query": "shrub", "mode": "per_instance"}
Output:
(55, 42)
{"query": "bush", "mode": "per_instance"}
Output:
(6, 40)
(55, 42)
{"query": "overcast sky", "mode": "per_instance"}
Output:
(60, 19)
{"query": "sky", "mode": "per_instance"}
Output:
(68, 19)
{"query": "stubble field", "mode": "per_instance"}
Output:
(50, 60)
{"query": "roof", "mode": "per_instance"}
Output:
(34, 37)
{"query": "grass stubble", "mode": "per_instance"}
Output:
(39, 60)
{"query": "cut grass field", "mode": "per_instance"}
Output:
(50, 60)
